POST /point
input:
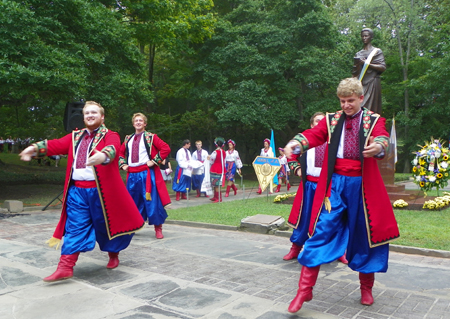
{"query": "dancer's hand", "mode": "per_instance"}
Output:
(372, 148)
(96, 159)
(28, 153)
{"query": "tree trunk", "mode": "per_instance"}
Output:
(151, 61)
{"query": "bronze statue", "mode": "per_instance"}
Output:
(371, 72)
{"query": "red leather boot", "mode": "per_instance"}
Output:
(64, 269)
(288, 186)
(278, 188)
(366, 281)
(234, 187)
(183, 196)
(308, 279)
(214, 197)
(227, 193)
(198, 193)
(178, 196)
(293, 253)
(158, 232)
(113, 260)
(218, 198)
(343, 259)
(259, 190)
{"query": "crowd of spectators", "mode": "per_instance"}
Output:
(14, 145)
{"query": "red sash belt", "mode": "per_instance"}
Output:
(148, 184)
(348, 167)
(314, 179)
(85, 184)
(137, 169)
(180, 171)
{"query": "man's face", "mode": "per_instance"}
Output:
(351, 104)
(92, 117)
(139, 124)
(365, 37)
(316, 120)
(187, 145)
(198, 146)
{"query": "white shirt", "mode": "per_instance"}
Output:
(233, 157)
(183, 157)
(311, 169)
(283, 161)
(269, 153)
(202, 159)
(143, 155)
(82, 174)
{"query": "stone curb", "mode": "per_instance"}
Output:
(200, 225)
(419, 251)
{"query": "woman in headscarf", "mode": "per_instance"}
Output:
(232, 162)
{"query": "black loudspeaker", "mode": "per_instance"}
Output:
(73, 116)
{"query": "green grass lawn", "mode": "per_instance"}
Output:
(425, 228)
(230, 213)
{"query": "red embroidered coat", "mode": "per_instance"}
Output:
(380, 220)
(157, 151)
(120, 212)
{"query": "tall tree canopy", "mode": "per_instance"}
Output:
(53, 52)
(235, 68)
(270, 64)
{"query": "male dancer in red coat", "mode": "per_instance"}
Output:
(351, 208)
(96, 204)
(140, 155)
(308, 167)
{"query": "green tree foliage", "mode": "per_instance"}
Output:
(270, 64)
(403, 31)
(167, 26)
(53, 52)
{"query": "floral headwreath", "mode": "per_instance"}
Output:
(219, 139)
(267, 140)
(232, 142)
(281, 149)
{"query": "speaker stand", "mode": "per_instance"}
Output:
(56, 198)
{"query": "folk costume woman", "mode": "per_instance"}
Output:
(283, 172)
(266, 152)
(232, 162)
(217, 171)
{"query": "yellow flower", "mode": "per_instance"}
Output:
(422, 184)
(414, 169)
(445, 157)
(421, 162)
(439, 175)
(446, 174)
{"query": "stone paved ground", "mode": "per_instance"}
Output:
(202, 273)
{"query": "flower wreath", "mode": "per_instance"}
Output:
(431, 166)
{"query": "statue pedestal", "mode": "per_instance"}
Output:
(414, 198)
